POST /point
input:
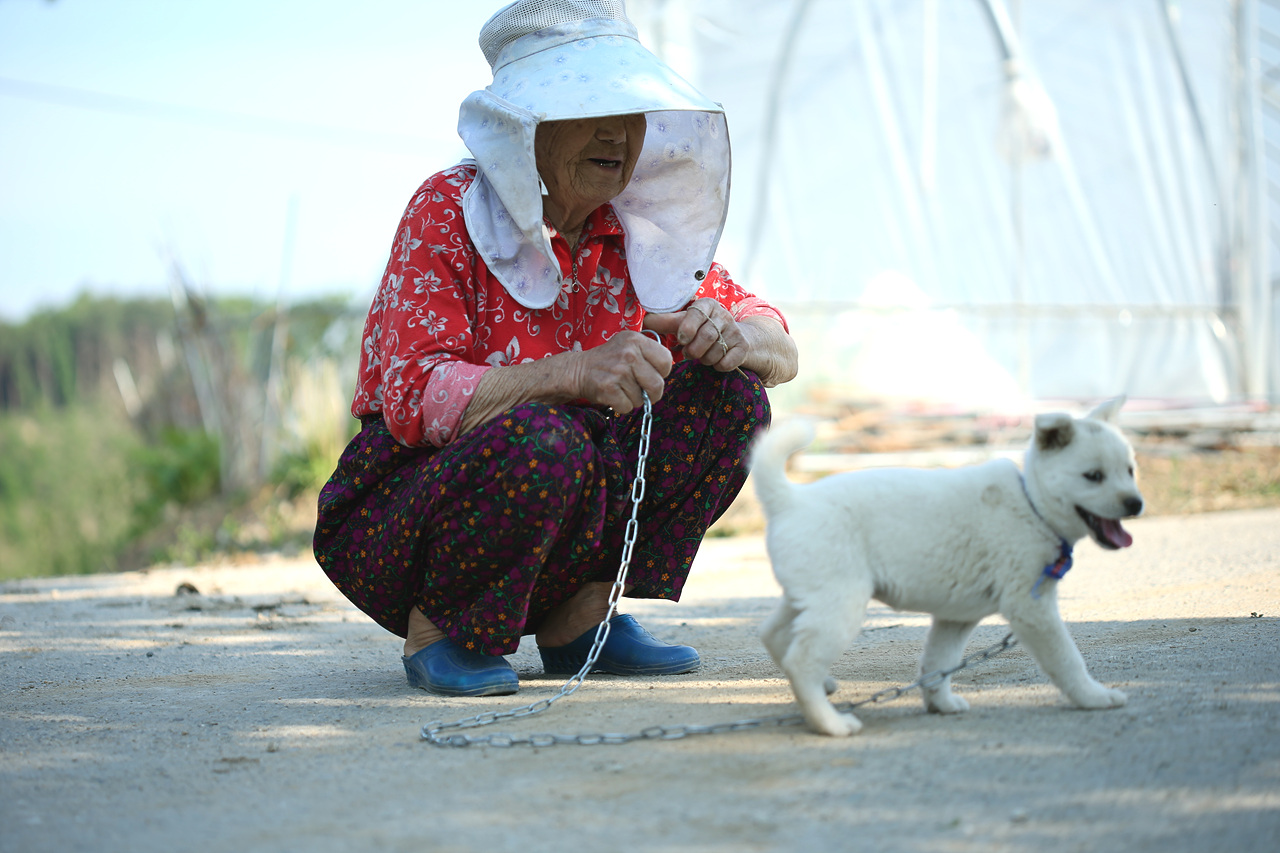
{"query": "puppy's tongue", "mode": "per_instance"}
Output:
(1115, 534)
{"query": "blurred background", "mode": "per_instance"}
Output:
(969, 210)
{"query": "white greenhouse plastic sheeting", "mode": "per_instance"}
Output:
(985, 203)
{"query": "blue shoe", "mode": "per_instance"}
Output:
(450, 670)
(630, 650)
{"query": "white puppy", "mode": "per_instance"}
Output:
(960, 544)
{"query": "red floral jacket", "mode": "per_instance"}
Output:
(440, 319)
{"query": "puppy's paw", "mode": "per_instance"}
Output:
(1100, 698)
(830, 685)
(946, 703)
(837, 725)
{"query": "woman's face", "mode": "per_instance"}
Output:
(588, 161)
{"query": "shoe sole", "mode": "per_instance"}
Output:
(562, 666)
(500, 689)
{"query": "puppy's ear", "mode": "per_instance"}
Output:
(1054, 431)
(1107, 411)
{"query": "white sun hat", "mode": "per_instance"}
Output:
(567, 59)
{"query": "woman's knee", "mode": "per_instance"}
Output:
(550, 431)
(740, 392)
(749, 394)
(546, 450)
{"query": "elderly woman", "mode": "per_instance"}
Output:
(508, 352)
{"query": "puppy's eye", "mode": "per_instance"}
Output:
(1095, 476)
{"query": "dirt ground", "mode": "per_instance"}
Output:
(251, 708)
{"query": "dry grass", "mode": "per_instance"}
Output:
(1210, 481)
(1174, 482)
(1177, 482)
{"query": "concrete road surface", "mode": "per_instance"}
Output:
(251, 708)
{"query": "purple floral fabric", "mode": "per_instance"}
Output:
(489, 532)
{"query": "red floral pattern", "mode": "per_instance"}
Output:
(493, 530)
(440, 319)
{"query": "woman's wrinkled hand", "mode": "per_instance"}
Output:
(620, 371)
(707, 333)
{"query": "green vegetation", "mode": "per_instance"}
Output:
(181, 468)
(63, 357)
(135, 432)
(66, 492)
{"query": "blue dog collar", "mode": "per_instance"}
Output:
(1058, 567)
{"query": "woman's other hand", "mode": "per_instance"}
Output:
(708, 334)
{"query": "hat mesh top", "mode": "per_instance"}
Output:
(530, 16)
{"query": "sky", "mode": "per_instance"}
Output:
(263, 147)
(268, 147)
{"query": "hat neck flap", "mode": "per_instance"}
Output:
(672, 213)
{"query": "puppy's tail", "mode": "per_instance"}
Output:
(769, 459)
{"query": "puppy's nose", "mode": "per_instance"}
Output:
(1133, 506)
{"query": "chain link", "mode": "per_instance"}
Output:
(437, 732)
(432, 731)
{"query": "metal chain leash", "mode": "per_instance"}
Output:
(932, 679)
(431, 731)
(435, 732)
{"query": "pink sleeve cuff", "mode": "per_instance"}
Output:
(753, 306)
(448, 392)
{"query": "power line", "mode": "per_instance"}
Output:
(68, 96)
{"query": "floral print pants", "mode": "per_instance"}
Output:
(491, 531)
